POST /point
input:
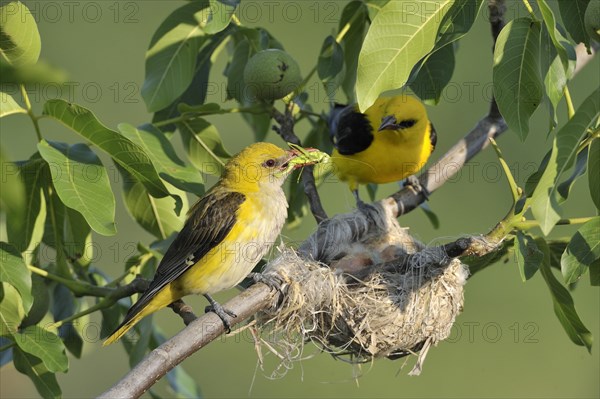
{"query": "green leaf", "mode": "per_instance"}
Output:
(458, 21)
(20, 42)
(219, 16)
(401, 34)
(155, 215)
(41, 301)
(171, 56)
(594, 178)
(572, 13)
(44, 380)
(330, 66)
(583, 250)
(165, 160)
(433, 75)
(204, 147)
(553, 73)
(517, 83)
(431, 215)
(77, 237)
(64, 304)
(355, 13)
(140, 346)
(298, 203)
(39, 73)
(563, 303)
(197, 90)
(81, 182)
(11, 310)
(14, 272)
(26, 232)
(564, 188)
(12, 195)
(126, 153)
(544, 203)
(374, 6)
(565, 50)
(529, 257)
(9, 106)
(45, 345)
(595, 273)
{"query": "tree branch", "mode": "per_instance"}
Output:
(198, 334)
(286, 131)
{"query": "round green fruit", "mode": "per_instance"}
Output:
(271, 74)
(591, 20)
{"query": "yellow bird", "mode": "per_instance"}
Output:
(390, 141)
(226, 233)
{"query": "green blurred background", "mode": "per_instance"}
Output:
(506, 343)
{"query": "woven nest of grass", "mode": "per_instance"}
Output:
(382, 295)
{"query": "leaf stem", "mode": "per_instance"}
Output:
(530, 9)
(570, 108)
(529, 224)
(78, 288)
(29, 109)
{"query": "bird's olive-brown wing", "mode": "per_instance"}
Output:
(208, 223)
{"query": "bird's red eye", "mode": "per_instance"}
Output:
(270, 163)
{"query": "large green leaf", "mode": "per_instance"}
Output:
(356, 15)
(155, 215)
(197, 90)
(458, 21)
(564, 188)
(553, 72)
(565, 50)
(81, 182)
(517, 83)
(64, 304)
(529, 257)
(434, 74)
(44, 380)
(26, 233)
(19, 37)
(204, 147)
(44, 344)
(374, 6)
(39, 73)
(12, 194)
(171, 56)
(330, 66)
(544, 203)
(583, 250)
(14, 272)
(572, 13)
(165, 159)
(11, 310)
(564, 308)
(401, 34)
(9, 106)
(126, 153)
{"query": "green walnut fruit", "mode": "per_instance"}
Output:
(271, 74)
(592, 20)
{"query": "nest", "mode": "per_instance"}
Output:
(382, 295)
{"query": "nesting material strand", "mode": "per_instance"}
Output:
(383, 308)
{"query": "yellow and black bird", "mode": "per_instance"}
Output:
(226, 233)
(390, 141)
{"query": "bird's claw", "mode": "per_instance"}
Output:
(272, 280)
(414, 182)
(225, 315)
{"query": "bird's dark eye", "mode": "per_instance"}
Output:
(407, 123)
(270, 163)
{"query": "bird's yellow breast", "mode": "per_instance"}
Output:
(259, 220)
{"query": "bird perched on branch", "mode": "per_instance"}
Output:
(390, 141)
(227, 232)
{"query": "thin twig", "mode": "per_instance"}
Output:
(286, 131)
